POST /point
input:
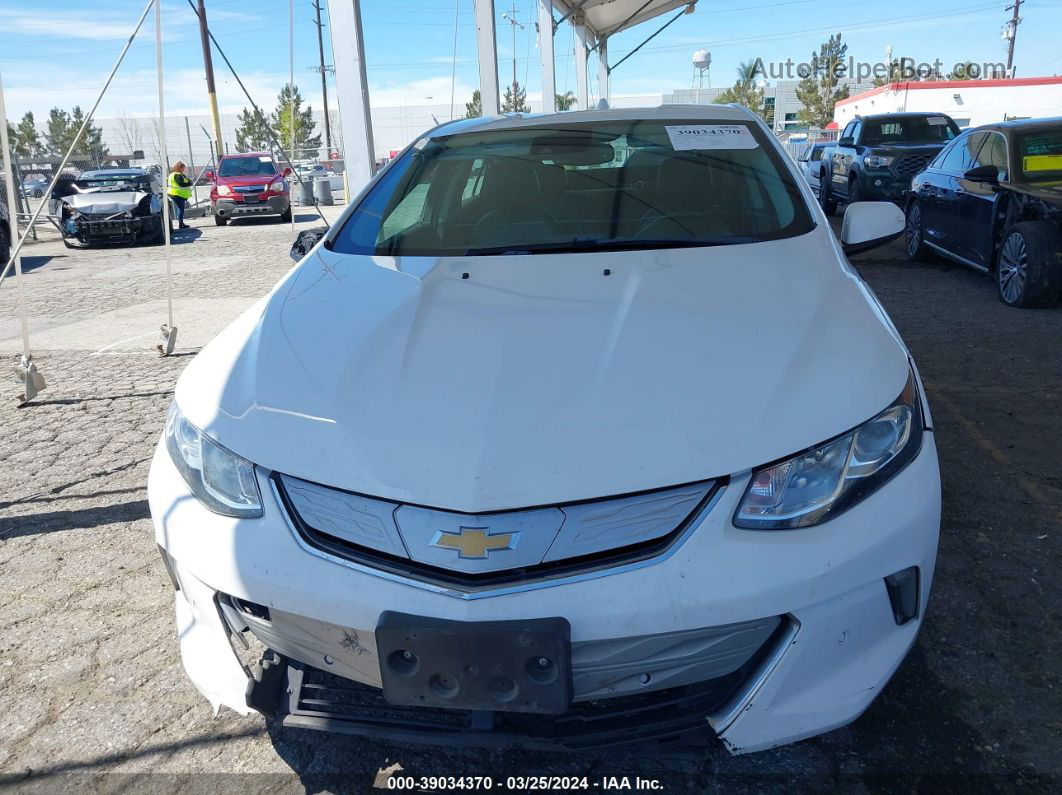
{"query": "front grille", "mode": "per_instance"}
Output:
(907, 167)
(250, 188)
(306, 697)
(365, 530)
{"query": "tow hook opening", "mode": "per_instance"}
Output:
(903, 594)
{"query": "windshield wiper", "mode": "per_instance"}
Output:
(609, 244)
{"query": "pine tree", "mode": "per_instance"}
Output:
(517, 104)
(744, 92)
(62, 128)
(24, 139)
(818, 92)
(254, 133)
(474, 109)
(91, 142)
(59, 134)
(306, 143)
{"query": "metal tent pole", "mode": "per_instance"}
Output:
(545, 50)
(80, 132)
(169, 331)
(291, 96)
(26, 371)
(487, 49)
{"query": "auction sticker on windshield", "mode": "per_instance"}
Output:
(710, 136)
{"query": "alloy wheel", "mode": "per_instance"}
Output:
(1013, 264)
(914, 228)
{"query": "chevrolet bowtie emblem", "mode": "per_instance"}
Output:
(474, 542)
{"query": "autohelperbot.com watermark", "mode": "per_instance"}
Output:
(901, 69)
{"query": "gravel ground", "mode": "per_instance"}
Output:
(95, 695)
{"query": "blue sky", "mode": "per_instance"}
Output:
(59, 52)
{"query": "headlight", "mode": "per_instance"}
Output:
(278, 186)
(224, 190)
(818, 484)
(223, 482)
(878, 161)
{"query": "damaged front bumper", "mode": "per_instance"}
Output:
(115, 230)
(758, 638)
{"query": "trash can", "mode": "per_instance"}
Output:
(306, 193)
(322, 189)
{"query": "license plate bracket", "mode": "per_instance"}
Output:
(509, 666)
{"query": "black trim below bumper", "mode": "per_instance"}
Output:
(274, 205)
(303, 697)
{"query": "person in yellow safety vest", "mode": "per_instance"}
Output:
(179, 187)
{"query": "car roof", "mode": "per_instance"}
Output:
(516, 121)
(1019, 125)
(247, 154)
(114, 172)
(922, 113)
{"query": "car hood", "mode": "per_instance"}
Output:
(234, 182)
(903, 150)
(546, 378)
(105, 201)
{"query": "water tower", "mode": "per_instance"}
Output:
(702, 63)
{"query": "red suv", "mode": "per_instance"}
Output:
(249, 183)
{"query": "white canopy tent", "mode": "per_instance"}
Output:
(594, 22)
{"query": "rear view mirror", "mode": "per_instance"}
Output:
(306, 241)
(989, 174)
(868, 225)
(575, 148)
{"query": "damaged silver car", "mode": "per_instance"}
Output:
(110, 206)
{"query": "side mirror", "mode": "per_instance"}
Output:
(208, 175)
(868, 225)
(306, 241)
(846, 141)
(987, 174)
(287, 171)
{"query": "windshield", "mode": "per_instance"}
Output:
(1040, 156)
(908, 130)
(256, 166)
(138, 182)
(592, 186)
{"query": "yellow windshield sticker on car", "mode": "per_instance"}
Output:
(710, 136)
(1042, 163)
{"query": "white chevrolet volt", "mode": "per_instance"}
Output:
(574, 430)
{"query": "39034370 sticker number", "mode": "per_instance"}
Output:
(710, 136)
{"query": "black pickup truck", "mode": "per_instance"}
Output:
(876, 156)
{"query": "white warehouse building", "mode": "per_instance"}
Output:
(970, 102)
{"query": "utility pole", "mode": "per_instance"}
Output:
(208, 65)
(1010, 32)
(323, 69)
(510, 17)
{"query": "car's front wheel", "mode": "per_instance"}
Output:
(1029, 270)
(285, 216)
(914, 235)
(220, 221)
(829, 204)
(855, 193)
